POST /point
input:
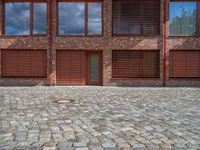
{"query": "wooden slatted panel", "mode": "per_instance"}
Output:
(184, 64)
(70, 68)
(151, 17)
(24, 63)
(137, 17)
(126, 17)
(135, 64)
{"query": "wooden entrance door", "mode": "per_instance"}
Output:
(94, 68)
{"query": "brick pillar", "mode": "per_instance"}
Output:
(1, 16)
(107, 30)
(167, 47)
(54, 33)
(1, 21)
(160, 44)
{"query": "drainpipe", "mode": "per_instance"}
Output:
(50, 42)
(165, 43)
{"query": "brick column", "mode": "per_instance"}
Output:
(107, 30)
(54, 34)
(1, 21)
(167, 34)
(1, 16)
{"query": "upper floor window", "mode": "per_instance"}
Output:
(136, 17)
(80, 18)
(183, 18)
(25, 18)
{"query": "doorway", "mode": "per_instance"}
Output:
(94, 68)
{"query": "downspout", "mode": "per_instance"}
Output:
(50, 42)
(165, 43)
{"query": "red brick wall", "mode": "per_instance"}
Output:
(107, 43)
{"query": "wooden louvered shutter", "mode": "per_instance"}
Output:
(9, 63)
(126, 17)
(185, 64)
(38, 62)
(24, 63)
(136, 17)
(70, 68)
(135, 64)
(151, 17)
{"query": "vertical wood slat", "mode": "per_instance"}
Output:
(70, 68)
(184, 64)
(24, 63)
(135, 64)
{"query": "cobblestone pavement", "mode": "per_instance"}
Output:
(99, 118)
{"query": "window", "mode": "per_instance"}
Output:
(39, 18)
(71, 18)
(94, 18)
(80, 18)
(136, 17)
(25, 18)
(135, 64)
(183, 18)
(17, 18)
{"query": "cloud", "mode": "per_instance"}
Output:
(71, 18)
(40, 15)
(94, 18)
(72, 21)
(17, 18)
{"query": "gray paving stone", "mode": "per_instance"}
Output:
(138, 146)
(111, 118)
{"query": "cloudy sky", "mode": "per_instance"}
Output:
(70, 17)
(94, 18)
(40, 16)
(17, 18)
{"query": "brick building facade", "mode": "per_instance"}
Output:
(104, 45)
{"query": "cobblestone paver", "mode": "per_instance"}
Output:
(100, 118)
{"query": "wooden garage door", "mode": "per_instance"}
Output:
(135, 64)
(184, 64)
(70, 68)
(24, 63)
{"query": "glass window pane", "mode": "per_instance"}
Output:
(182, 18)
(94, 67)
(71, 18)
(39, 18)
(94, 18)
(126, 17)
(17, 18)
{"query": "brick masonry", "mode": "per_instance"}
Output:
(106, 43)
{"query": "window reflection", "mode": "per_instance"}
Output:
(71, 18)
(94, 18)
(182, 18)
(39, 18)
(17, 18)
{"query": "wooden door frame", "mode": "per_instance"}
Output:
(100, 54)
